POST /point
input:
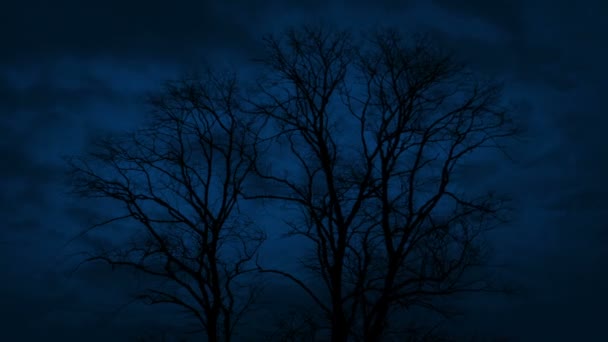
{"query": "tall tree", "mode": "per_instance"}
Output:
(179, 180)
(372, 132)
(369, 133)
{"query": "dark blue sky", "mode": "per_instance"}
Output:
(72, 69)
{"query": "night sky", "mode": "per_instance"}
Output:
(72, 70)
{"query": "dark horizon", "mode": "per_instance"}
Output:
(72, 72)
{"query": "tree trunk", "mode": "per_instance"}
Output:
(212, 330)
(339, 327)
(375, 329)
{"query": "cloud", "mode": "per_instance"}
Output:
(74, 69)
(508, 15)
(133, 29)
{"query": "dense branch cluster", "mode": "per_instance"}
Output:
(180, 179)
(388, 228)
(370, 133)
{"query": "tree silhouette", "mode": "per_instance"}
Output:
(363, 136)
(371, 132)
(179, 180)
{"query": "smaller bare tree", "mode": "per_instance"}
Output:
(179, 181)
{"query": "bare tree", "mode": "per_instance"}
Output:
(179, 180)
(373, 132)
